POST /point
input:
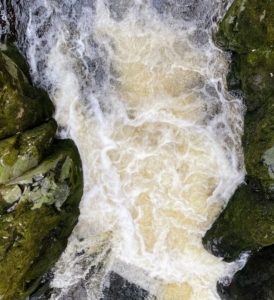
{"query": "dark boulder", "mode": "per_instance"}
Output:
(22, 106)
(255, 281)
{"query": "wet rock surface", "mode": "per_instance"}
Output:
(35, 229)
(248, 25)
(119, 288)
(41, 181)
(247, 223)
(254, 281)
(22, 106)
(25, 151)
(7, 19)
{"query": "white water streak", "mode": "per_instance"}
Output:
(140, 90)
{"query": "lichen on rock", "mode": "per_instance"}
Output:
(34, 231)
(25, 151)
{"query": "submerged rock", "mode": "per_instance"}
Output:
(43, 211)
(255, 281)
(247, 223)
(22, 106)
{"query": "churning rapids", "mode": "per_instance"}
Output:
(139, 86)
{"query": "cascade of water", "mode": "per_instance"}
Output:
(139, 86)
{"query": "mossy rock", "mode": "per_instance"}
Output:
(22, 106)
(255, 281)
(247, 224)
(25, 151)
(255, 72)
(248, 25)
(42, 211)
(10, 49)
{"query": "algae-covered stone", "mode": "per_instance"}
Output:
(25, 151)
(248, 25)
(9, 49)
(22, 106)
(255, 72)
(246, 224)
(34, 231)
(255, 281)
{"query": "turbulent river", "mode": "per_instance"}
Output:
(139, 86)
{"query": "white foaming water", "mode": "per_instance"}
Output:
(139, 87)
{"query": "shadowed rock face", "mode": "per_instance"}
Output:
(22, 106)
(41, 181)
(247, 223)
(7, 19)
(254, 281)
(119, 288)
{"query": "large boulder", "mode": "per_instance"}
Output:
(247, 223)
(22, 106)
(39, 212)
(41, 181)
(258, 84)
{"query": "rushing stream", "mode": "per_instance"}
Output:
(139, 86)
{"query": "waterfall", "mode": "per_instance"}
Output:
(140, 87)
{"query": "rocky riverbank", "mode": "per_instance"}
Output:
(41, 181)
(247, 223)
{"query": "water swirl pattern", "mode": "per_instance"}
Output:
(139, 86)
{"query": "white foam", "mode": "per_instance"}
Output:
(143, 98)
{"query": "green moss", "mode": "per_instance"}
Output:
(21, 105)
(246, 224)
(12, 52)
(258, 85)
(25, 151)
(248, 25)
(41, 181)
(34, 232)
